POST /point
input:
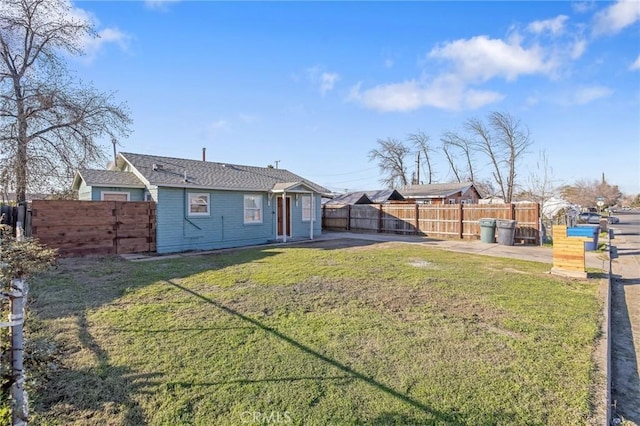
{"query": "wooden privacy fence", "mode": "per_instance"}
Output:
(458, 221)
(78, 228)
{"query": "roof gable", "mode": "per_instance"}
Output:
(92, 177)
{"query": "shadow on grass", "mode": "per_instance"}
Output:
(249, 381)
(103, 388)
(451, 419)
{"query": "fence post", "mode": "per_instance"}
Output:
(19, 412)
(348, 217)
(17, 296)
(417, 223)
(461, 221)
(380, 218)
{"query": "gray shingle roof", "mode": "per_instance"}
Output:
(367, 197)
(358, 197)
(435, 190)
(93, 177)
(168, 171)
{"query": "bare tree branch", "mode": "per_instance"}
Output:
(420, 140)
(452, 141)
(49, 124)
(391, 155)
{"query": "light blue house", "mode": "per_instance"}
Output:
(203, 205)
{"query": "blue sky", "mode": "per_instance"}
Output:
(314, 85)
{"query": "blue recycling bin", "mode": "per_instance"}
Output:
(588, 231)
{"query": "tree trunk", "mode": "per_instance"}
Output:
(22, 141)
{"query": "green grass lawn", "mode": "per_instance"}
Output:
(372, 334)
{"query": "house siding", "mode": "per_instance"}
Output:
(300, 228)
(93, 193)
(224, 227)
(84, 192)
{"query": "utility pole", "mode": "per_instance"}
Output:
(114, 141)
(418, 169)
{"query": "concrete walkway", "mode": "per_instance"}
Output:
(625, 330)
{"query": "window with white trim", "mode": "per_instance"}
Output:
(114, 196)
(308, 212)
(452, 200)
(253, 209)
(198, 204)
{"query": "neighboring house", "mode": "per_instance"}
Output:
(367, 197)
(202, 205)
(442, 193)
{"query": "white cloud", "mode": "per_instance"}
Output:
(213, 129)
(161, 5)
(481, 58)
(218, 125)
(323, 80)
(583, 96)
(583, 6)
(555, 26)
(327, 81)
(578, 48)
(445, 92)
(588, 94)
(616, 17)
(93, 45)
(636, 64)
(455, 71)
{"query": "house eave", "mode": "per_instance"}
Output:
(107, 185)
(206, 187)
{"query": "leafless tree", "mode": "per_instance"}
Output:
(447, 150)
(585, 193)
(454, 143)
(391, 155)
(541, 184)
(420, 141)
(504, 141)
(50, 124)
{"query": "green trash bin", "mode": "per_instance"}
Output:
(506, 232)
(487, 230)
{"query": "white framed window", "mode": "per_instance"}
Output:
(308, 212)
(114, 196)
(253, 208)
(198, 204)
(452, 200)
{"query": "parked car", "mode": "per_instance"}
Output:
(589, 217)
(613, 219)
(594, 218)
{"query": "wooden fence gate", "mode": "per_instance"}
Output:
(78, 228)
